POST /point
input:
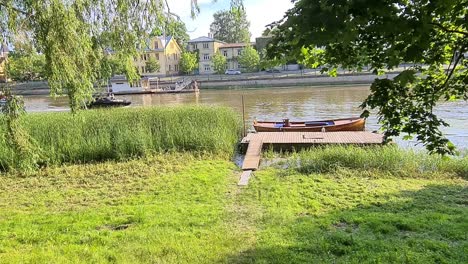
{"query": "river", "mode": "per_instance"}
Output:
(295, 103)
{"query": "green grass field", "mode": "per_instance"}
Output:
(186, 208)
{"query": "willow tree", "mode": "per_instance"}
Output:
(383, 34)
(75, 36)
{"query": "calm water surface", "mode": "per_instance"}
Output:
(303, 103)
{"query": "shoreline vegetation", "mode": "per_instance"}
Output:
(158, 185)
(119, 134)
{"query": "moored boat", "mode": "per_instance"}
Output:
(108, 102)
(332, 125)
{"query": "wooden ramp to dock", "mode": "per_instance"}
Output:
(255, 142)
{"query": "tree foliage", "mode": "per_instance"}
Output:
(219, 63)
(269, 62)
(173, 27)
(249, 59)
(188, 62)
(25, 151)
(231, 26)
(152, 65)
(24, 66)
(384, 34)
(73, 36)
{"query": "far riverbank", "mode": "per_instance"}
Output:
(243, 81)
(293, 81)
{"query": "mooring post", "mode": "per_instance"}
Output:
(243, 117)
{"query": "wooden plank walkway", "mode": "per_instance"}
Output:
(255, 142)
(314, 138)
(252, 156)
(245, 177)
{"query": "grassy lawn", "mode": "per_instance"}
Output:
(349, 217)
(186, 208)
(164, 209)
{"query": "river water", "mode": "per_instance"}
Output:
(295, 103)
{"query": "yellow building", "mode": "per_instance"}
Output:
(166, 51)
(206, 47)
(3, 59)
(231, 51)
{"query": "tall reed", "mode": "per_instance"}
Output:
(116, 134)
(390, 160)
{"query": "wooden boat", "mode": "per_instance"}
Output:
(332, 125)
(108, 102)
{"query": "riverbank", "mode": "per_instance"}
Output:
(321, 80)
(186, 208)
(243, 81)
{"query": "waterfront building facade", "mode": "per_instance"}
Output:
(165, 50)
(206, 47)
(232, 51)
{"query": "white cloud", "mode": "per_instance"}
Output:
(263, 12)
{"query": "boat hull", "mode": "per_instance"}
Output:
(335, 125)
(110, 103)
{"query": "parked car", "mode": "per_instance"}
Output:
(273, 71)
(232, 72)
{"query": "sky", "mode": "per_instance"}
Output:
(259, 12)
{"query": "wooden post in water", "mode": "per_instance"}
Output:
(243, 117)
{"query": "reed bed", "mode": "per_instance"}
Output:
(118, 134)
(389, 160)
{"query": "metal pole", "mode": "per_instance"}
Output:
(243, 116)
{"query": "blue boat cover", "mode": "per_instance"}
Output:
(315, 123)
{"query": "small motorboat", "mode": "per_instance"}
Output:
(332, 125)
(108, 102)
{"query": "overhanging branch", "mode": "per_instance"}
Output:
(449, 30)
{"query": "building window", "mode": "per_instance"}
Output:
(176, 67)
(206, 45)
(175, 56)
(225, 53)
(239, 51)
(207, 67)
(195, 46)
(156, 46)
(206, 56)
(170, 68)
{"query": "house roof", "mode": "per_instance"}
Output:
(204, 39)
(149, 45)
(164, 41)
(235, 45)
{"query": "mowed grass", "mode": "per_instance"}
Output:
(359, 205)
(123, 133)
(186, 208)
(347, 217)
(162, 209)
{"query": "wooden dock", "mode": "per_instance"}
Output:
(255, 142)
